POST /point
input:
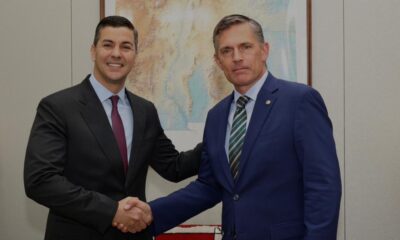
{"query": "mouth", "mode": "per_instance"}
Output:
(239, 69)
(115, 65)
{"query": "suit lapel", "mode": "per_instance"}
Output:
(94, 115)
(266, 99)
(139, 121)
(222, 126)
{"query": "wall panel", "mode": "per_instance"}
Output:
(328, 74)
(372, 74)
(35, 61)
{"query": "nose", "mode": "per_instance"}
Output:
(116, 52)
(237, 55)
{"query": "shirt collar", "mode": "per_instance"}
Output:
(254, 90)
(103, 93)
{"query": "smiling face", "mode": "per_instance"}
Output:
(113, 56)
(241, 56)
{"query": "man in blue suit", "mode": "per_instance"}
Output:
(269, 152)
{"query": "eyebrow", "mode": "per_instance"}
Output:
(240, 44)
(127, 42)
(110, 41)
(225, 47)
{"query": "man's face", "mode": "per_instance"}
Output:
(241, 56)
(113, 56)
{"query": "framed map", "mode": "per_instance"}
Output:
(175, 67)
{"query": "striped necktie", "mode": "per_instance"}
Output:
(238, 132)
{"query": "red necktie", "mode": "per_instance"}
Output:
(119, 133)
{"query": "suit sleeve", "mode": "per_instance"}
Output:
(168, 162)
(45, 159)
(322, 185)
(201, 194)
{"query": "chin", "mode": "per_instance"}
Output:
(116, 78)
(242, 82)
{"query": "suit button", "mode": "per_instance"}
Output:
(236, 197)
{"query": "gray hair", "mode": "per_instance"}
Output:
(235, 19)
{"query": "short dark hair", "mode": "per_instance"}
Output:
(115, 21)
(235, 19)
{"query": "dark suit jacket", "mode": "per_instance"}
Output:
(289, 181)
(73, 165)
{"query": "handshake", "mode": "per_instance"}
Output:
(132, 215)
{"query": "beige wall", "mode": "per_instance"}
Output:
(44, 47)
(372, 119)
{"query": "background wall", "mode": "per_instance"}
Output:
(44, 47)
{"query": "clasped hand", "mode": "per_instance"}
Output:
(132, 215)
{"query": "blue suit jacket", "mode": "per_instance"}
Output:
(289, 181)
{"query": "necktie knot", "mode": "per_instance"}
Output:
(242, 101)
(114, 100)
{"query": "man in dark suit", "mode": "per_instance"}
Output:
(268, 152)
(91, 145)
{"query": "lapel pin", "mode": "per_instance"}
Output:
(268, 102)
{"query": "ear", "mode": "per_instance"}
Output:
(93, 52)
(217, 61)
(265, 49)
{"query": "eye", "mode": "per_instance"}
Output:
(107, 45)
(247, 46)
(127, 47)
(226, 51)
